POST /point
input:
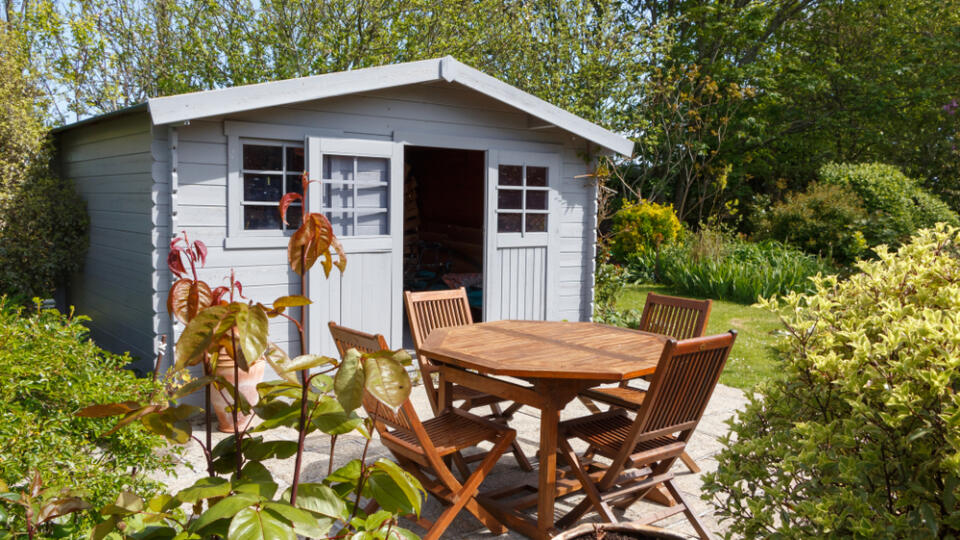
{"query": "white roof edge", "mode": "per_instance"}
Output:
(183, 107)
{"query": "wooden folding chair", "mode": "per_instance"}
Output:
(429, 310)
(678, 318)
(420, 447)
(644, 449)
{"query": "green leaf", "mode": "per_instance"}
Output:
(395, 489)
(329, 417)
(348, 474)
(172, 423)
(349, 381)
(386, 379)
(304, 523)
(257, 524)
(126, 503)
(201, 333)
(252, 328)
(204, 488)
(225, 508)
(262, 490)
(260, 450)
(307, 361)
(319, 499)
(375, 520)
(277, 358)
(193, 386)
(254, 471)
(104, 528)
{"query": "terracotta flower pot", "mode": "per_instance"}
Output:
(589, 531)
(247, 387)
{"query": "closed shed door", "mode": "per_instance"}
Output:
(521, 232)
(359, 191)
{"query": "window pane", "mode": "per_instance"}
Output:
(509, 222)
(537, 176)
(294, 217)
(262, 187)
(536, 222)
(372, 169)
(536, 200)
(338, 167)
(294, 159)
(262, 158)
(372, 224)
(372, 197)
(261, 217)
(294, 184)
(509, 199)
(342, 223)
(337, 196)
(510, 175)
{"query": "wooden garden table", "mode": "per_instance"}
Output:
(559, 360)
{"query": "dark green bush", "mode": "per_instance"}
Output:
(43, 238)
(50, 370)
(859, 438)
(825, 220)
(715, 265)
(898, 206)
(43, 223)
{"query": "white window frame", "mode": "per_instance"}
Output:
(238, 133)
(283, 173)
(523, 189)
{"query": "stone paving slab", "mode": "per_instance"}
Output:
(526, 422)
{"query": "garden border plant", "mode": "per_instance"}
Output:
(238, 499)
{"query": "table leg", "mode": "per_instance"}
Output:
(549, 419)
(445, 399)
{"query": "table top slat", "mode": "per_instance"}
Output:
(542, 349)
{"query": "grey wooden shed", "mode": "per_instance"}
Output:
(433, 174)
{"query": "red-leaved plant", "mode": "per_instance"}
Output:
(245, 504)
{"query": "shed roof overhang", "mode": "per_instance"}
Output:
(184, 107)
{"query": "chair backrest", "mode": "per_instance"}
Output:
(679, 318)
(429, 310)
(405, 418)
(686, 376)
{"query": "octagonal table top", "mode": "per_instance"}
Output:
(547, 349)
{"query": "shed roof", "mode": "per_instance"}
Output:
(195, 105)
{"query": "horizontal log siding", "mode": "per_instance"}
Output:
(113, 163)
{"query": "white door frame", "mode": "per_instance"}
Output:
(491, 147)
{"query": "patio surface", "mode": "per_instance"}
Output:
(703, 447)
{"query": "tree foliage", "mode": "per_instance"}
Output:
(859, 437)
(43, 223)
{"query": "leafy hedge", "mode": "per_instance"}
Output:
(899, 206)
(643, 228)
(860, 436)
(51, 369)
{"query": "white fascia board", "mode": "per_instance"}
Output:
(452, 70)
(173, 109)
(179, 108)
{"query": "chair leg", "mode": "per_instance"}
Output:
(689, 462)
(522, 460)
(588, 486)
(688, 511)
(461, 465)
(468, 490)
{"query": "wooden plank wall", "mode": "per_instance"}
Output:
(113, 164)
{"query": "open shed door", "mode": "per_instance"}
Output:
(522, 227)
(360, 191)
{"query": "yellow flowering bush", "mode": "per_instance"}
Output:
(642, 228)
(860, 437)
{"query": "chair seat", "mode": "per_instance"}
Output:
(619, 396)
(453, 430)
(608, 431)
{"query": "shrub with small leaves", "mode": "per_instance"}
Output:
(825, 220)
(860, 436)
(642, 228)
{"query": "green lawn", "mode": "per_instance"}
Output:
(752, 359)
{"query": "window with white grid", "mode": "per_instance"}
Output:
(523, 194)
